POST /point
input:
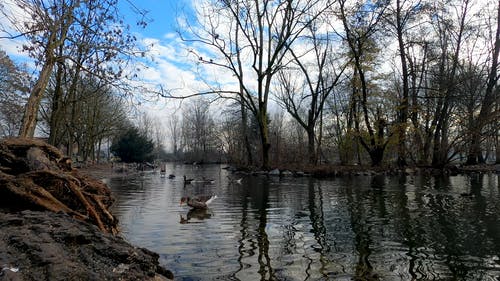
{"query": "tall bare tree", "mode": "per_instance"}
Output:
(96, 115)
(401, 17)
(486, 114)
(14, 84)
(199, 131)
(305, 100)
(251, 40)
(46, 30)
(361, 23)
(174, 128)
(449, 41)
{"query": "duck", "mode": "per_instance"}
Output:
(465, 194)
(199, 202)
(238, 181)
(163, 171)
(209, 181)
(187, 181)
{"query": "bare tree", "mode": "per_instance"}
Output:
(174, 127)
(55, 29)
(14, 83)
(276, 129)
(486, 114)
(360, 27)
(305, 99)
(145, 124)
(159, 136)
(448, 49)
(199, 131)
(238, 134)
(251, 39)
(401, 18)
(95, 115)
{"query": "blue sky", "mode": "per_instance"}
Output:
(161, 15)
(161, 28)
(169, 66)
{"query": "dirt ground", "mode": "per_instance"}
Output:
(48, 246)
(56, 223)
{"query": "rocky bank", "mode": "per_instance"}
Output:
(55, 222)
(42, 245)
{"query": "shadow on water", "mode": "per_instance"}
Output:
(195, 216)
(358, 228)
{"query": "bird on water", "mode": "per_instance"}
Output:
(198, 202)
(187, 181)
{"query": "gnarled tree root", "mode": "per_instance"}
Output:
(37, 176)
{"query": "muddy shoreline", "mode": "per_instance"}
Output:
(36, 245)
(107, 170)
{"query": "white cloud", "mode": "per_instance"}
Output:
(10, 12)
(13, 47)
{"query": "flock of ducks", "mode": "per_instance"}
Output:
(196, 203)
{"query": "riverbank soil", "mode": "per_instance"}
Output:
(103, 170)
(55, 220)
(331, 171)
(38, 245)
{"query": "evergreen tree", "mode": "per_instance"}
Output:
(132, 146)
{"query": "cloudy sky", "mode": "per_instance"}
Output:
(167, 63)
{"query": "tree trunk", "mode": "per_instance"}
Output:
(497, 147)
(403, 105)
(264, 137)
(56, 38)
(56, 106)
(376, 155)
(311, 146)
(244, 133)
(474, 155)
(29, 121)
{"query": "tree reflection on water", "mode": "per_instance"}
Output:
(357, 228)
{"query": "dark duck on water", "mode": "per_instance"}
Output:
(187, 181)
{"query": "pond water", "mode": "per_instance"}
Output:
(353, 228)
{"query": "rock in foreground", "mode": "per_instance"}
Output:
(47, 246)
(55, 223)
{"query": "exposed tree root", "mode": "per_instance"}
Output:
(37, 176)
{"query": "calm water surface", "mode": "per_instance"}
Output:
(361, 228)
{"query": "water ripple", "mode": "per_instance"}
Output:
(306, 229)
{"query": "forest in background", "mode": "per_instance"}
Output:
(401, 82)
